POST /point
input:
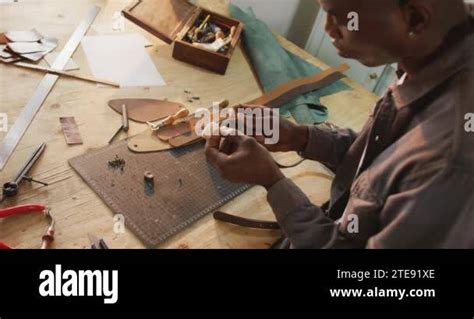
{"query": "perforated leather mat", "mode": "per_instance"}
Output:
(186, 188)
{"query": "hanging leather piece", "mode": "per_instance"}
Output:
(177, 136)
(146, 110)
(287, 92)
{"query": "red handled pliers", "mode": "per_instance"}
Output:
(28, 209)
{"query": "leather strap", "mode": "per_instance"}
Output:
(281, 95)
(245, 222)
(290, 90)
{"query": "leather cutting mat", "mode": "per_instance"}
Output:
(186, 188)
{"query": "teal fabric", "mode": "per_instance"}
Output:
(274, 66)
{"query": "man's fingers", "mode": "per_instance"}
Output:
(213, 153)
(219, 149)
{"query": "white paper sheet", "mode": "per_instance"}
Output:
(121, 58)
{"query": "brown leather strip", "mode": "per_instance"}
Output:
(290, 90)
(70, 130)
(245, 222)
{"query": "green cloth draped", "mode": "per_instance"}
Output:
(274, 66)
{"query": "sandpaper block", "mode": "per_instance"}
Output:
(146, 110)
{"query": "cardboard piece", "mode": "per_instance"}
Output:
(3, 39)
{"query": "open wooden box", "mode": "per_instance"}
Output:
(170, 20)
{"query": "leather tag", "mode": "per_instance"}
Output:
(70, 130)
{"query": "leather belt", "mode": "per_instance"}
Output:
(245, 222)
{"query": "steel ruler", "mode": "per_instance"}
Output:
(28, 113)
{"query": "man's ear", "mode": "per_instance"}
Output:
(418, 15)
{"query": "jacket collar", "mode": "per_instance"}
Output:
(454, 55)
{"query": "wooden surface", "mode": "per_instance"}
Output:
(77, 209)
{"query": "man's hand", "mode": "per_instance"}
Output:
(292, 137)
(241, 159)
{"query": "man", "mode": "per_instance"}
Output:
(408, 177)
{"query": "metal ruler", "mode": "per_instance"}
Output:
(28, 113)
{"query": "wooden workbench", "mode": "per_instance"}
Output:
(77, 209)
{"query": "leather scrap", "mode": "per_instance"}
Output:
(24, 36)
(146, 110)
(274, 98)
(3, 39)
(70, 130)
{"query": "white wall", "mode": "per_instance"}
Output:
(293, 19)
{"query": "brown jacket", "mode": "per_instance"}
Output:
(418, 193)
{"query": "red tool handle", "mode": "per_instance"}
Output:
(24, 209)
(4, 246)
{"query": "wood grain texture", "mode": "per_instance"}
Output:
(77, 208)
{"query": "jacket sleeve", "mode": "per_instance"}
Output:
(327, 146)
(304, 224)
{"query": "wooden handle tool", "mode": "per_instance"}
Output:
(169, 120)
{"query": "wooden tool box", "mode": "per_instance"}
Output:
(170, 20)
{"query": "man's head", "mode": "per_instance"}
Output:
(391, 30)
